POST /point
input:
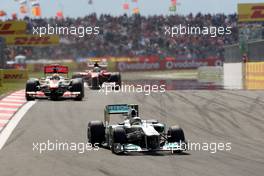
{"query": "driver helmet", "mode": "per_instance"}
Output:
(96, 69)
(135, 121)
(55, 76)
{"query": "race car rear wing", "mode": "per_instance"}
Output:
(102, 62)
(124, 109)
(56, 69)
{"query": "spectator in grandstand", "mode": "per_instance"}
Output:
(137, 36)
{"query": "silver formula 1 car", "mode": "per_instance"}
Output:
(55, 86)
(134, 134)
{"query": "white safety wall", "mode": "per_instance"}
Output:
(233, 75)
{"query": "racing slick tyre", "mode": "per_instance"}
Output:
(116, 77)
(96, 132)
(95, 83)
(175, 134)
(31, 86)
(118, 138)
(74, 76)
(78, 86)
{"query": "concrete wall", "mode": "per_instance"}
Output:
(233, 76)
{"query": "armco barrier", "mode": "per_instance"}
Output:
(254, 76)
(12, 75)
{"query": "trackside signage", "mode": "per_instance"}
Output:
(167, 64)
(253, 12)
(12, 27)
(31, 40)
(12, 75)
(254, 76)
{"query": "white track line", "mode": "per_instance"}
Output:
(3, 121)
(5, 134)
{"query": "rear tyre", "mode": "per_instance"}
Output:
(118, 138)
(95, 83)
(96, 132)
(78, 86)
(31, 86)
(116, 78)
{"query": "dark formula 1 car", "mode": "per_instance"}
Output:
(134, 134)
(55, 86)
(98, 77)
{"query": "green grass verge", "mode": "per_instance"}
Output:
(10, 87)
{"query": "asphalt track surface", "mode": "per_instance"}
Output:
(206, 116)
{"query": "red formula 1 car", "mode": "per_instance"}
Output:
(55, 86)
(98, 76)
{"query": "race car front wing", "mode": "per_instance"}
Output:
(66, 94)
(173, 147)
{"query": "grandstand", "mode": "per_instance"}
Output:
(134, 36)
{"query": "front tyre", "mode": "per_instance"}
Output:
(176, 135)
(116, 78)
(31, 86)
(78, 86)
(118, 138)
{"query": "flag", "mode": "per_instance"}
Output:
(2, 13)
(35, 3)
(59, 15)
(125, 6)
(136, 10)
(23, 9)
(22, 2)
(173, 2)
(173, 8)
(14, 16)
(36, 11)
